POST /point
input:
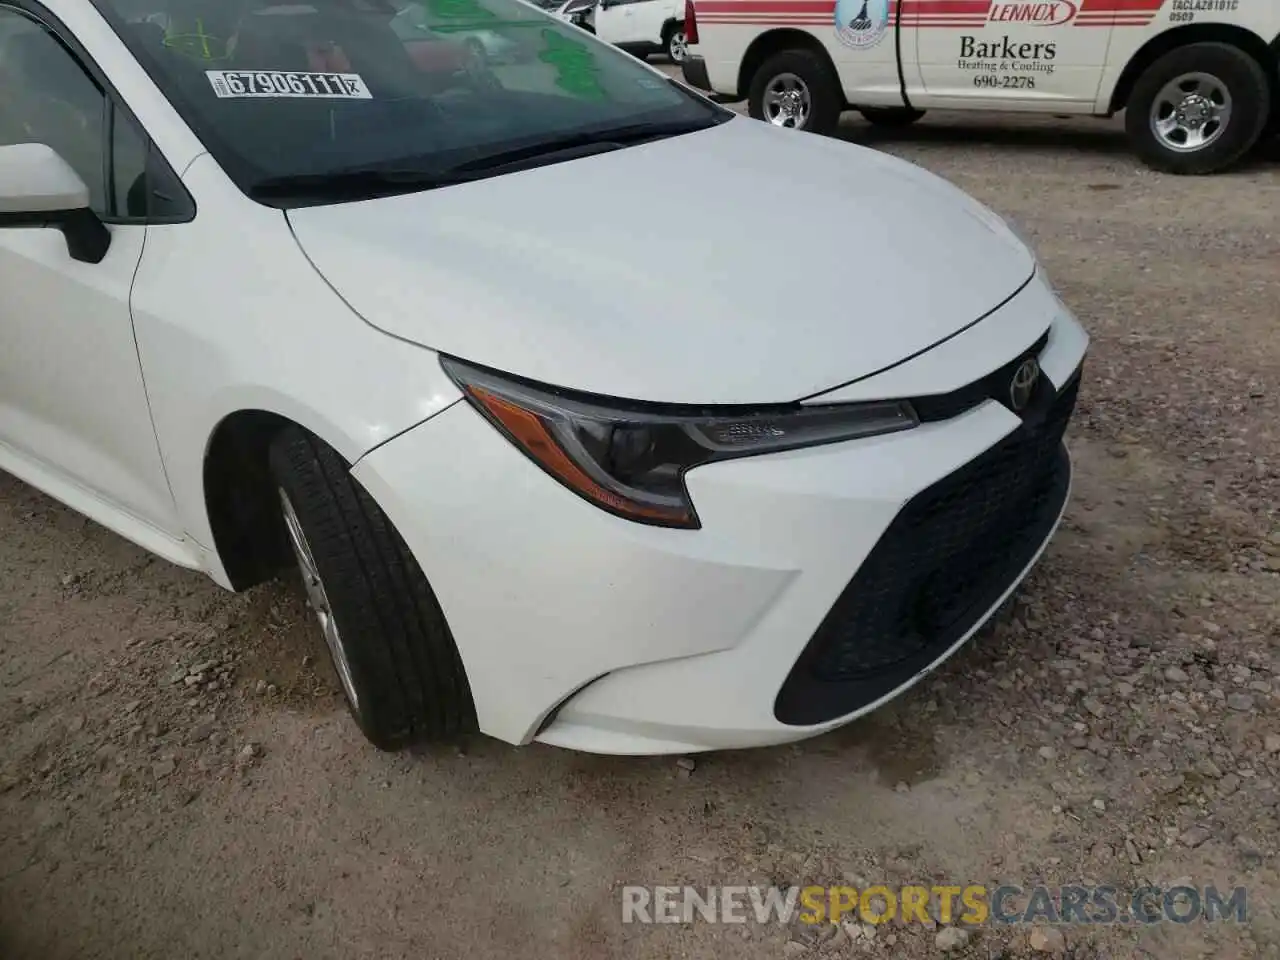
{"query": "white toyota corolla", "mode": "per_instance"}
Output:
(278, 284)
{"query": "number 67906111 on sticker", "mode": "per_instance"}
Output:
(230, 84)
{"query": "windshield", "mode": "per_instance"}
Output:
(293, 93)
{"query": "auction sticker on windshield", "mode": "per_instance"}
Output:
(229, 84)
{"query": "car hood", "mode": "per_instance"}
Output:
(740, 264)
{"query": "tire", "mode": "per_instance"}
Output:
(676, 43)
(404, 680)
(826, 99)
(890, 117)
(1226, 68)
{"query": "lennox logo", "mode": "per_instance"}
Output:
(1040, 14)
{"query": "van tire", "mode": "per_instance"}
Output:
(1244, 80)
(890, 117)
(402, 664)
(826, 100)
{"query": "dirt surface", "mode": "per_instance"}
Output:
(178, 777)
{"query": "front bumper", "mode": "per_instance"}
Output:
(581, 629)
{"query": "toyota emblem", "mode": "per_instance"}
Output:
(1023, 384)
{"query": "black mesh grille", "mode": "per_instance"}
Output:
(944, 561)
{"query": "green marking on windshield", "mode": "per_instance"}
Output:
(575, 65)
(459, 10)
(198, 44)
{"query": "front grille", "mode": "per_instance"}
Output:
(994, 386)
(941, 565)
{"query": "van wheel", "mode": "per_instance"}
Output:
(1198, 109)
(796, 89)
(387, 637)
(890, 116)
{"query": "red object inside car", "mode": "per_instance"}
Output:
(437, 56)
(429, 56)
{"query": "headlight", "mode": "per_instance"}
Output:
(630, 458)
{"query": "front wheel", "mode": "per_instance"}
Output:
(396, 661)
(796, 89)
(1198, 109)
(890, 117)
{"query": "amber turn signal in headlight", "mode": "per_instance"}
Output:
(630, 458)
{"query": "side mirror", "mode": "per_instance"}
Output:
(39, 189)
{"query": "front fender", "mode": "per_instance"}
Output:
(230, 315)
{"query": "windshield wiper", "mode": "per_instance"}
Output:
(355, 183)
(366, 183)
(577, 144)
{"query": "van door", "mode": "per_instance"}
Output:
(862, 44)
(1013, 54)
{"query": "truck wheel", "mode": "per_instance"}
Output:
(890, 116)
(387, 637)
(796, 89)
(1198, 109)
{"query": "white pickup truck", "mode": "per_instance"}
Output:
(1197, 79)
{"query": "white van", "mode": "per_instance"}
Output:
(1197, 78)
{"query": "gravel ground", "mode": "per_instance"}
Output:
(178, 778)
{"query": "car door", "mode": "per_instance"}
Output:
(615, 22)
(74, 417)
(1011, 54)
(861, 37)
(648, 17)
